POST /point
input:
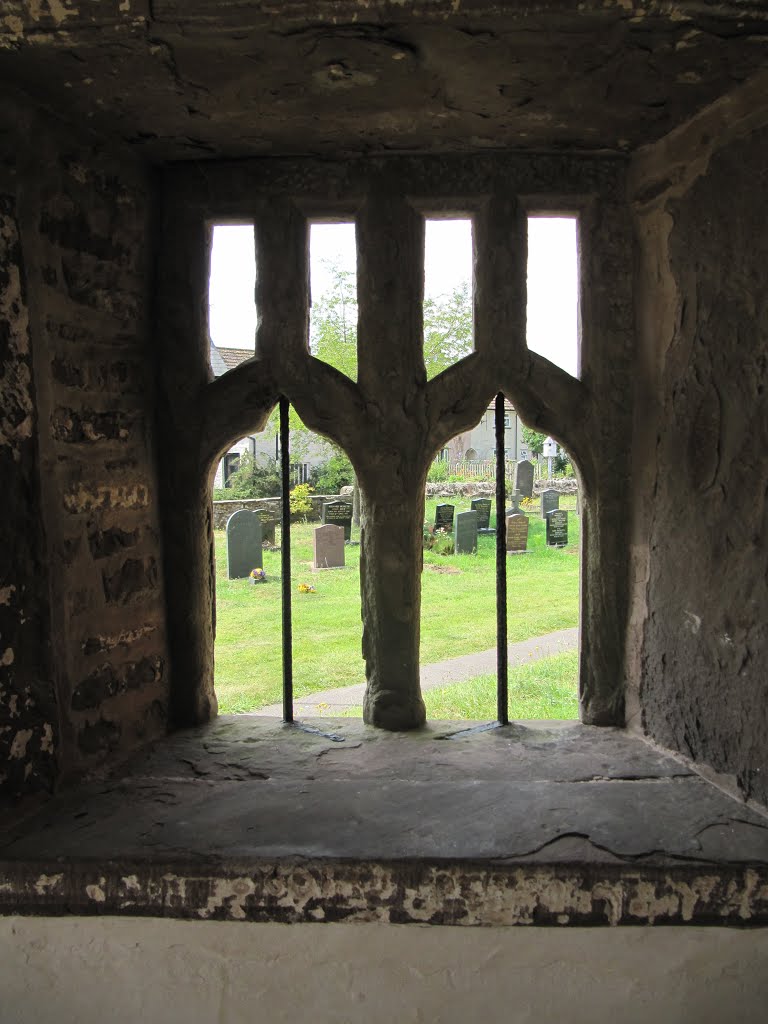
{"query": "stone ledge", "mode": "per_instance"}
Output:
(541, 823)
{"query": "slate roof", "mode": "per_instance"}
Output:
(223, 359)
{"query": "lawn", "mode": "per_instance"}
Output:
(543, 689)
(458, 612)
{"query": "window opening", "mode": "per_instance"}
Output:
(231, 296)
(553, 290)
(333, 290)
(448, 327)
(487, 453)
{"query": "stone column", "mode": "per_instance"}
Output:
(390, 590)
(392, 382)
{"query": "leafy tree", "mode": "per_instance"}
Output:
(534, 440)
(333, 322)
(448, 334)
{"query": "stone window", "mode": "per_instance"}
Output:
(392, 421)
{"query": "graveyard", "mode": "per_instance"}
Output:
(458, 617)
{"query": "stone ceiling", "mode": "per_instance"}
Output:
(183, 79)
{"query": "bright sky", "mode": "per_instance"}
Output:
(552, 278)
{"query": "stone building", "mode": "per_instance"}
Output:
(127, 128)
(479, 442)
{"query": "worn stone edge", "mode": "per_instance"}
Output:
(395, 892)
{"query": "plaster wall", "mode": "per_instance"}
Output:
(82, 644)
(701, 444)
(85, 970)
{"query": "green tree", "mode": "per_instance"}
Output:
(448, 334)
(333, 322)
(534, 440)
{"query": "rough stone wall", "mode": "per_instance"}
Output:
(82, 221)
(704, 263)
(28, 716)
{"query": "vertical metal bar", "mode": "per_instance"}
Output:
(285, 561)
(502, 687)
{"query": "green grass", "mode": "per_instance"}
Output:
(544, 689)
(458, 612)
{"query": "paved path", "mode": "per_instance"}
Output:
(455, 670)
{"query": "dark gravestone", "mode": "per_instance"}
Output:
(522, 479)
(268, 524)
(328, 547)
(517, 533)
(550, 500)
(557, 528)
(483, 508)
(339, 513)
(444, 517)
(243, 544)
(465, 533)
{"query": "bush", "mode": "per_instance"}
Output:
(301, 503)
(334, 474)
(438, 472)
(258, 476)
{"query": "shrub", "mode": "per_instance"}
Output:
(258, 476)
(438, 472)
(301, 503)
(334, 474)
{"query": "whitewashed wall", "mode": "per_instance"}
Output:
(129, 970)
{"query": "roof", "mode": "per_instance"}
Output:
(223, 359)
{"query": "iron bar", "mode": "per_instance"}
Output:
(285, 561)
(502, 685)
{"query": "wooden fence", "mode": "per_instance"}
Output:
(485, 469)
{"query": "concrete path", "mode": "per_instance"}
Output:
(328, 703)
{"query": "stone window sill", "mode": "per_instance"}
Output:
(549, 823)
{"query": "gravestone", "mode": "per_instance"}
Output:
(550, 500)
(557, 528)
(483, 508)
(465, 533)
(578, 503)
(328, 547)
(444, 517)
(268, 523)
(338, 513)
(522, 479)
(243, 544)
(517, 533)
(514, 508)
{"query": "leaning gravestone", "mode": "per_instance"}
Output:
(268, 524)
(465, 533)
(243, 544)
(483, 508)
(338, 513)
(328, 547)
(517, 533)
(444, 517)
(550, 500)
(522, 479)
(557, 528)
